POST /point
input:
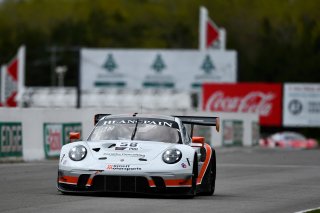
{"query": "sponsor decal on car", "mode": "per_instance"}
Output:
(158, 122)
(133, 148)
(134, 155)
(122, 167)
(183, 165)
(120, 148)
(127, 146)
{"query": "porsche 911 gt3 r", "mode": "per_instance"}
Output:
(140, 153)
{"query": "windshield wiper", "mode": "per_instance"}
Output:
(135, 130)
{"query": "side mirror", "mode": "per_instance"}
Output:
(197, 141)
(74, 136)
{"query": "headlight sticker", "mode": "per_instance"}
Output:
(64, 162)
(62, 157)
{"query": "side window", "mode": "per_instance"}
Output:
(185, 134)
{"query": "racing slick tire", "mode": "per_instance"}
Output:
(210, 177)
(193, 190)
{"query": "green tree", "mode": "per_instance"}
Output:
(276, 40)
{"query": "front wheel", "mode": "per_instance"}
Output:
(194, 177)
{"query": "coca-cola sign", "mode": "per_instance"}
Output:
(261, 98)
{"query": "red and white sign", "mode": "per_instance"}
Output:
(11, 84)
(212, 33)
(262, 98)
(12, 80)
(53, 139)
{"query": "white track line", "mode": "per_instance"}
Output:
(308, 210)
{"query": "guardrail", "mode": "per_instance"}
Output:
(36, 134)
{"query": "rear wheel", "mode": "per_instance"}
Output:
(210, 184)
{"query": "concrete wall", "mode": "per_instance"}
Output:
(33, 119)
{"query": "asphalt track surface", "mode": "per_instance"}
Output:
(248, 180)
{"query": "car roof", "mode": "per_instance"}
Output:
(282, 135)
(289, 133)
(166, 117)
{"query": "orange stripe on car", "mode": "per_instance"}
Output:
(205, 164)
(178, 182)
(151, 183)
(89, 182)
(68, 179)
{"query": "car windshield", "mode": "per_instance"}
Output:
(294, 136)
(144, 129)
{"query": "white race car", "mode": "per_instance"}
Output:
(140, 153)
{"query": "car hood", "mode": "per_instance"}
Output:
(127, 151)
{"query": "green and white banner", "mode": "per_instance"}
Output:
(10, 139)
(56, 135)
(140, 68)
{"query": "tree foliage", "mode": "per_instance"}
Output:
(276, 40)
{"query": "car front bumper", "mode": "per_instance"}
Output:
(82, 181)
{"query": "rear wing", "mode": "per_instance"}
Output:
(193, 120)
(97, 117)
(200, 120)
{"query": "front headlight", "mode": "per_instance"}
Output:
(77, 153)
(171, 156)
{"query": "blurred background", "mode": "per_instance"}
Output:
(269, 45)
(276, 40)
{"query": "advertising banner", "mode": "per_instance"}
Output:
(301, 105)
(262, 98)
(10, 139)
(139, 69)
(232, 133)
(56, 135)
